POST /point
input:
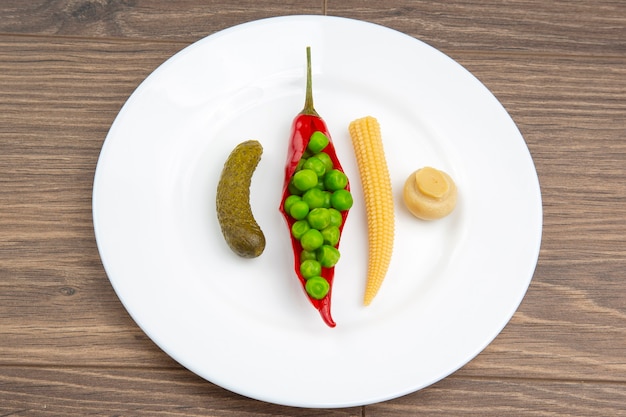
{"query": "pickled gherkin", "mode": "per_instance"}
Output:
(239, 227)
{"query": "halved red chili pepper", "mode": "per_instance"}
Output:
(304, 125)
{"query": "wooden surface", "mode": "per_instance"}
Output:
(67, 345)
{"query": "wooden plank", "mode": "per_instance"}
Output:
(560, 332)
(55, 298)
(484, 397)
(518, 25)
(185, 20)
(570, 111)
(65, 391)
(590, 28)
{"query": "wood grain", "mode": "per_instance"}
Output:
(556, 27)
(68, 347)
(186, 20)
(45, 391)
(57, 126)
(63, 391)
(508, 397)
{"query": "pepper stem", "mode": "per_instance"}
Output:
(308, 101)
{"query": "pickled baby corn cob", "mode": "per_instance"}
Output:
(370, 156)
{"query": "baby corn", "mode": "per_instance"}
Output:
(370, 156)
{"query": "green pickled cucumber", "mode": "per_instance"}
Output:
(241, 231)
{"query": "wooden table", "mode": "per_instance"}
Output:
(67, 345)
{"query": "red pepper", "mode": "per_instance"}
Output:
(304, 125)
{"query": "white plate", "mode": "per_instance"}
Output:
(246, 325)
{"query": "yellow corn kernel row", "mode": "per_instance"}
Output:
(370, 156)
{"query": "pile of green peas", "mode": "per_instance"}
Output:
(317, 196)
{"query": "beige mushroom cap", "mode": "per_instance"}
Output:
(430, 194)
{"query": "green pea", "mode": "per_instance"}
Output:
(331, 235)
(315, 165)
(299, 210)
(327, 197)
(299, 228)
(341, 200)
(326, 159)
(335, 180)
(317, 287)
(335, 217)
(301, 163)
(305, 179)
(311, 240)
(292, 189)
(289, 202)
(310, 268)
(318, 218)
(315, 198)
(306, 255)
(317, 142)
(328, 256)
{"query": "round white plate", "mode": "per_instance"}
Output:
(245, 324)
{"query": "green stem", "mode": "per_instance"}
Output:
(308, 101)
